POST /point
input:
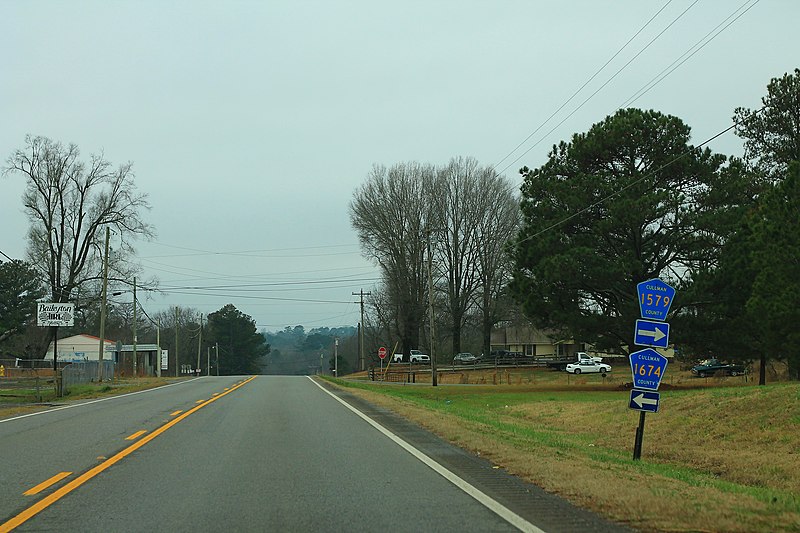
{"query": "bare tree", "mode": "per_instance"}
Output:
(390, 213)
(187, 322)
(498, 222)
(69, 202)
(461, 206)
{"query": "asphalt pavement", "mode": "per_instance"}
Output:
(271, 453)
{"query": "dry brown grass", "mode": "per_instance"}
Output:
(10, 410)
(713, 460)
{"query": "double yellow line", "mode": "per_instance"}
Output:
(50, 499)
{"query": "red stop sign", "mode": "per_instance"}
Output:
(382, 352)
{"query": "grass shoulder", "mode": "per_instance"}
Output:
(714, 459)
(17, 402)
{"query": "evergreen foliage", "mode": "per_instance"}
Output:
(625, 202)
(241, 348)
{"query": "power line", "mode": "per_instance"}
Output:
(309, 321)
(250, 254)
(246, 252)
(593, 76)
(658, 78)
(271, 284)
(218, 275)
(244, 296)
(635, 182)
(601, 87)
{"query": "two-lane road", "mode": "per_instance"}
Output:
(230, 453)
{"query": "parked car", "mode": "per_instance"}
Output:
(505, 357)
(709, 367)
(584, 355)
(414, 356)
(586, 366)
(464, 358)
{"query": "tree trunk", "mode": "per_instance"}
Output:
(486, 326)
(762, 377)
(456, 335)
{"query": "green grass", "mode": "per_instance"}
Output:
(705, 442)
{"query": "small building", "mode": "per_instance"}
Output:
(532, 342)
(147, 357)
(81, 347)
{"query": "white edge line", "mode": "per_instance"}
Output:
(95, 401)
(490, 503)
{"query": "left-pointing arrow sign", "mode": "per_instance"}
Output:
(644, 401)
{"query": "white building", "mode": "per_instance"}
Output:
(81, 348)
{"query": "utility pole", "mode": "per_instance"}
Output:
(216, 348)
(199, 342)
(135, 370)
(102, 352)
(208, 360)
(158, 343)
(430, 310)
(177, 367)
(361, 329)
(336, 357)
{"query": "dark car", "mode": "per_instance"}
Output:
(464, 358)
(710, 367)
(505, 357)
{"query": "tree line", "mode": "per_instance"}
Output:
(629, 200)
(295, 351)
(436, 233)
(460, 251)
(70, 202)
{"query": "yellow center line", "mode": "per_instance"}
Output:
(200, 401)
(56, 495)
(136, 435)
(45, 484)
(176, 413)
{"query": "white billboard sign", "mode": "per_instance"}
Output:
(164, 359)
(50, 314)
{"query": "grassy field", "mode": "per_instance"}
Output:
(15, 402)
(721, 456)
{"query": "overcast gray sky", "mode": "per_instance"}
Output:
(251, 124)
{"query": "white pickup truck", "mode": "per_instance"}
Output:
(415, 356)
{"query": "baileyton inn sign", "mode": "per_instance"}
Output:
(60, 314)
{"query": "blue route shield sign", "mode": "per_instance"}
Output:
(644, 401)
(655, 298)
(648, 333)
(648, 368)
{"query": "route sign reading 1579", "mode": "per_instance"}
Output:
(648, 368)
(655, 298)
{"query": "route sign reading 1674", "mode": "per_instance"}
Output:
(648, 368)
(655, 298)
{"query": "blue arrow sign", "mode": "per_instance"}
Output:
(648, 333)
(648, 368)
(655, 299)
(644, 401)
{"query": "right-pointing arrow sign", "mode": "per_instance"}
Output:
(650, 333)
(644, 401)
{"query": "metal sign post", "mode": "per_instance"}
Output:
(382, 355)
(648, 366)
